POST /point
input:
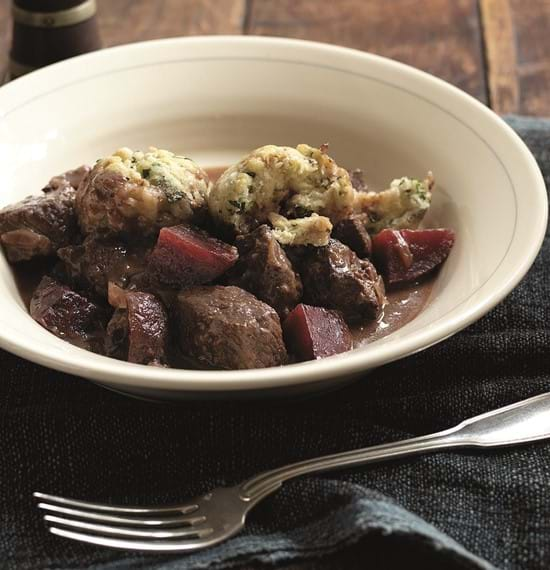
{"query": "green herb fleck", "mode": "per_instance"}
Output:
(301, 212)
(172, 192)
(172, 195)
(239, 205)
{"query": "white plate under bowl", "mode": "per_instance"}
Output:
(214, 98)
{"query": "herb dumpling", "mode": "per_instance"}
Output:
(133, 191)
(401, 206)
(313, 230)
(294, 182)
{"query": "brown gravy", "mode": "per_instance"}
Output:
(404, 303)
(28, 274)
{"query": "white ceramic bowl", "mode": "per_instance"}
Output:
(214, 98)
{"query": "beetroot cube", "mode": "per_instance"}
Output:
(313, 332)
(406, 255)
(186, 256)
(68, 314)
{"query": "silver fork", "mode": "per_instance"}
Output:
(221, 513)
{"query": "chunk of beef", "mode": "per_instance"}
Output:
(187, 256)
(147, 329)
(264, 269)
(228, 328)
(38, 225)
(406, 255)
(24, 244)
(313, 332)
(139, 333)
(117, 294)
(69, 179)
(116, 337)
(98, 261)
(69, 315)
(352, 232)
(334, 277)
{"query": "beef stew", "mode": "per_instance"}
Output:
(285, 257)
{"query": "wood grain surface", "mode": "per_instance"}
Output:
(439, 36)
(497, 50)
(517, 42)
(5, 36)
(124, 21)
(501, 54)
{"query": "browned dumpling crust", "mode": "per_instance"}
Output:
(140, 192)
(291, 182)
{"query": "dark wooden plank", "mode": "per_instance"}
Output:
(502, 78)
(123, 21)
(518, 55)
(439, 36)
(443, 37)
(5, 36)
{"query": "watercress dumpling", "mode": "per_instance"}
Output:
(140, 192)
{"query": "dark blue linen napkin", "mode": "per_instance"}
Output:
(466, 509)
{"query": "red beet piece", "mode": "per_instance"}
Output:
(68, 314)
(406, 255)
(313, 332)
(186, 256)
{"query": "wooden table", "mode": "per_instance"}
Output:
(497, 50)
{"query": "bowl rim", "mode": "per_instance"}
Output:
(123, 374)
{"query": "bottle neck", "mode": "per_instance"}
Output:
(46, 5)
(52, 14)
(47, 31)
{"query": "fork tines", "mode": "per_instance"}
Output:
(123, 527)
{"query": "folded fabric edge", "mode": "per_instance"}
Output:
(363, 513)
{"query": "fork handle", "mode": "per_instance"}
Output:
(270, 481)
(528, 420)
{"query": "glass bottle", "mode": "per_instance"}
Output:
(46, 31)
